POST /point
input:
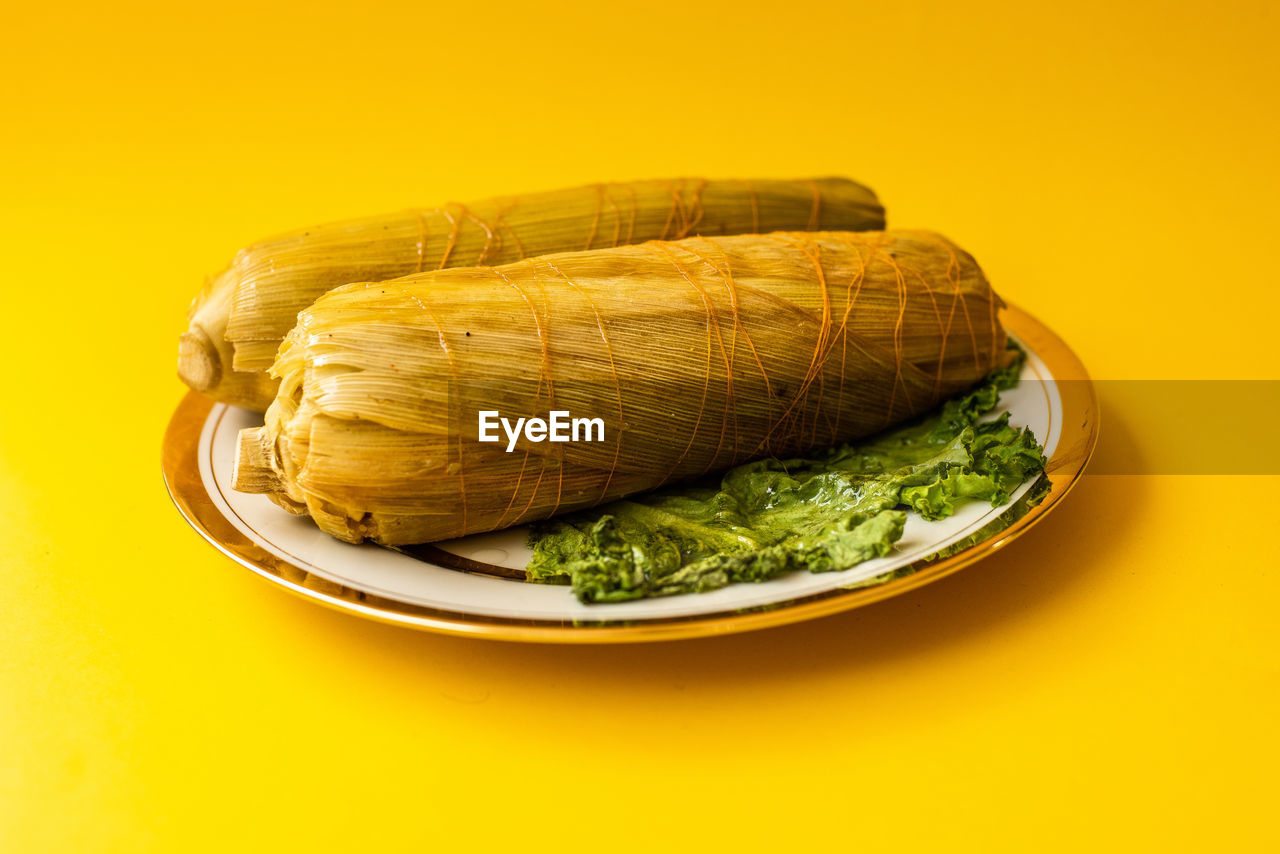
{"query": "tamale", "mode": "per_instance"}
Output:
(237, 322)
(696, 354)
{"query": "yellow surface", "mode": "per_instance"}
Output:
(1108, 682)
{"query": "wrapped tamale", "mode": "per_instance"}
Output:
(693, 355)
(237, 322)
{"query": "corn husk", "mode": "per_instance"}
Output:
(698, 354)
(239, 319)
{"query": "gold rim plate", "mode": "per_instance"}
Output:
(1079, 436)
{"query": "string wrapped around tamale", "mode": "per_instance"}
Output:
(697, 354)
(237, 322)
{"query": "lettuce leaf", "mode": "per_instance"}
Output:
(830, 510)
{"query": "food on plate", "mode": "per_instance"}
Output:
(696, 355)
(239, 319)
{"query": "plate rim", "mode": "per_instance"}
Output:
(179, 465)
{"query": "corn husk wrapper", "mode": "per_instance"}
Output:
(698, 354)
(241, 316)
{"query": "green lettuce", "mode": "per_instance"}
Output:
(830, 510)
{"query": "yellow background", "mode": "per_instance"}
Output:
(1108, 682)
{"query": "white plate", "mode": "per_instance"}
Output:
(390, 585)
